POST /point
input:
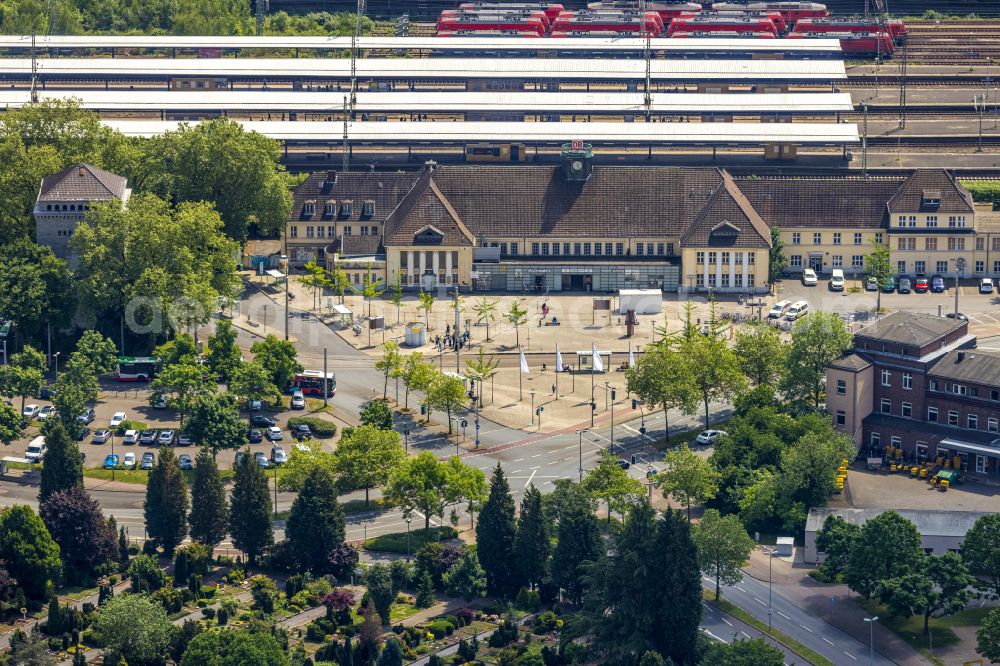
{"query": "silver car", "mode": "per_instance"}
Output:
(101, 436)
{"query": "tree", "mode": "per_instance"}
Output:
(133, 628)
(219, 161)
(661, 377)
(223, 355)
(429, 486)
(809, 473)
(425, 590)
(209, 509)
(466, 579)
(723, 546)
(761, 353)
(495, 537)
(816, 342)
(836, 541)
(24, 376)
(611, 483)
(416, 374)
(98, 352)
(714, 367)
(315, 278)
(252, 381)
(750, 652)
(250, 510)
(279, 357)
(447, 393)
(214, 422)
(426, 304)
(380, 590)
(389, 364)
(166, 505)
(316, 522)
(366, 456)
(679, 581)
(878, 264)
(981, 551)
(516, 317)
(371, 630)
(75, 522)
(10, 424)
(75, 389)
(370, 288)
(32, 556)
(162, 267)
(146, 574)
(234, 648)
(988, 636)
(533, 544)
(396, 297)
(62, 466)
(180, 385)
(392, 654)
(486, 313)
(578, 541)
(940, 585)
(687, 477)
(303, 459)
(376, 414)
(889, 547)
(479, 369)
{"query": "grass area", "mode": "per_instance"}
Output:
(911, 629)
(321, 428)
(396, 542)
(141, 477)
(809, 655)
(21, 466)
(400, 611)
(358, 505)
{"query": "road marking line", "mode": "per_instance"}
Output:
(741, 589)
(718, 638)
(807, 628)
(519, 460)
(850, 655)
(759, 601)
(530, 477)
(828, 640)
(783, 615)
(745, 634)
(535, 469)
(516, 471)
(727, 622)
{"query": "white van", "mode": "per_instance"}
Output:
(36, 450)
(837, 279)
(779, 310)
(798, 310)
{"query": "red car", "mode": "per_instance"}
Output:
(921, 285)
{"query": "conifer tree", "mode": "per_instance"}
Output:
(209, 509)
(250, 510)
(316, 522)
(533, 545)
(579, 541)
(677, 574)
(166, 504)
(63, 464)
(496, 532)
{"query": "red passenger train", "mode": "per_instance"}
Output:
(880, 44)
(729, 35)
(791, 12)
(857, 25)
(551, 9)
(608, 23)
(722, 25)
(666, 10)
(776, 17)
(451, 22)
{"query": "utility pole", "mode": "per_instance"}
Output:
(864, 142)
(346, 150)
(325, 375)
(354, 54)
(979, 103)
(647, 55)
(457, 339)
(902, 89)
(34, 70)
(261, 7)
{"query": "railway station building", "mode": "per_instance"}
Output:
(580, 227)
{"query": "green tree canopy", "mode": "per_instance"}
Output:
(417, 374)
(761, 353)
(133, 628)
(889, 547)
(662, 378)
(214, 421)
(316, 522)
(303, 458)
(940, 585)
(30, 553)
(776, 256)
(24, 376)
(713, 366)
(981, 551)
(429, 486)
(446, 393)
(578, 540)
(750, 652)
(166, 505)
(62, 466)
(466, 579)
(836, 541)
(279, 358)
(376, 413)
(366, 455)
(723, 546)
(816, 341)
(687, 477)
(227, 647)
(988, 636)
(533, 544)
(611, 483)
(209, 509)
(252, 381)
(180, 384)
(223, 355)
(495, 537)
(250, 510)
(75, 522)
(36, 288)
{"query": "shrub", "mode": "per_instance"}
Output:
(321, 428)
(146, 574)
(265, 593)
(396, 542)
(465, 616)
(208, 613)
(527, 600)
(546, 622)
(440, 628)
(223, 617)
(304, 599)
(452, 620)
(129, 425)
(315, 633)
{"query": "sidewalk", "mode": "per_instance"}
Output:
(834, 604)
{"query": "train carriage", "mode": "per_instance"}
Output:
(666, 10)
(868, 26)
(792, 12)
(619, 23)
(550, 9)
(873, 44)
(722, 25)
(467, 23)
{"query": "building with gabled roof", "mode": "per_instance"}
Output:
(64, 198)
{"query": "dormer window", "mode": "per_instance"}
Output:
(930, 198)
(346, 207)
(331, 208)
(368, 210)
(309, 209)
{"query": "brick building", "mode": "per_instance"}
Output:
(917, 382)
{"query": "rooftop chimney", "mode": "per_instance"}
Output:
(961, 356)
(331, 178)
(81, 171)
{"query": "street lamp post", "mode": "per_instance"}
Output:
(275, 490)
(408, 519)
(113, 453)
(532, 408)
(871, 639)
(613, 395)
(959, 268)
(580, 435)
(56, 359)
(406, 438)
(770, 608)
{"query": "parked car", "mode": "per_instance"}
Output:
(301, 431)
(262, 421)
(871, 283)
(148, 437)
(937, 284)
(131, 437)
(921, 285)
(255, 405)
(111, 461)
(255, 436)
(986, 286)
(159, 402)
(278, 455)
(779, 310)
(298, 401)
(240, 455)
(45, 393)
(117, 419)
(957, 315)
(709, 436)
(183, 440)
(809, 278)
(889, 284)
(128, 462)
(101, 436)
(36, 450)
(274, 434)
(87, 417)
(837, 280)
(624, 464)
(45, 412)
(166, 437)
(148, 460)
(261, 459)
(904, 285)
(82, 434)
(30, 411)
(185, 462)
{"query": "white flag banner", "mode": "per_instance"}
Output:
(524, 362)
(631, 356)
(559, 361)
(598, 365)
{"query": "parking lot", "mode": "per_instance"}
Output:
(134, 401)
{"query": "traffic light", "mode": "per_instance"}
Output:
(423, 410)
(465, 424)
(593, 406)
(633, 459)
(635, 403)
(613, 394)
(642, 430)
